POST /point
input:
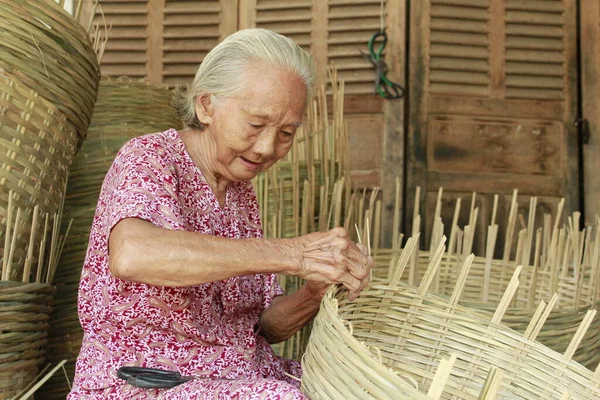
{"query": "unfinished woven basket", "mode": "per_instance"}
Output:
(124, 109)
(396, 334)
(48, 83)
(577, 291)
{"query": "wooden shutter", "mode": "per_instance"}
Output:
(126, 50)
(590, 61)
(493, 100)
(162, 40)
(191, 30)
(351, 24)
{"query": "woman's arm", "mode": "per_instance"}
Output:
(141, 252)
(287, 314)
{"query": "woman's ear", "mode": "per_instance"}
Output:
(205, 109)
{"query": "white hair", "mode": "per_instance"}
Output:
(221, 73)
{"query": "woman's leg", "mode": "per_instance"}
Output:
(199, 389)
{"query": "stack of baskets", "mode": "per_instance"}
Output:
(49, 77)
(124, 109)
(391, 340)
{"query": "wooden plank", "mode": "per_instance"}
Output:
(393, 128)
(572, 185)
(247, 14)
(366, 178)
(228, 18)
(154, 41)
(491, 145)
(497, 48)
(590, 46)
(359, 103)
(365, 137)
(416, 174)
(551, 110)
(543, 185)
(318, 39)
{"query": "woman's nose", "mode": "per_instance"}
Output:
(265, 144)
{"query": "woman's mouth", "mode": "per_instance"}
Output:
(251, 165)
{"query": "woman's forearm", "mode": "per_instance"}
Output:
(287, 314)
(141, 252)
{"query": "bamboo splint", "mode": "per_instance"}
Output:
(392, 338)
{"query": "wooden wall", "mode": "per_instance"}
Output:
(165, 40)
(492, 87)
(493, 101)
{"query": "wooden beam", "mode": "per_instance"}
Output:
(496, 183)
(247, 14)
(572, 178)
(590, 49)
(497, 49)
(154, 41)
(318, 39)
(393, 127)
(359, 104)
(228, 19)
(503, 108)
(416, 174)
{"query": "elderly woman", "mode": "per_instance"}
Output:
(167, 284)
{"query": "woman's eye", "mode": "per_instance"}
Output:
(256, 126)
(286, 133)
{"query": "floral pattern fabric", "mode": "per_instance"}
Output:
(207, 330)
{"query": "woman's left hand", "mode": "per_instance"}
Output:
(318, 288)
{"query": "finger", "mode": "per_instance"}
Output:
(363, 249)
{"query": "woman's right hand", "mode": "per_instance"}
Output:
(331, 257)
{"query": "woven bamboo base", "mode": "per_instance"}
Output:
(24, 315)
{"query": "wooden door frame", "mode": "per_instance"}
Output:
(590, 60)
(416, 150)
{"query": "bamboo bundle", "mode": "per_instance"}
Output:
(124, 109)
(563, 260)
(48, 82)
(395, 334)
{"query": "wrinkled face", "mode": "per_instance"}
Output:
(256, 128)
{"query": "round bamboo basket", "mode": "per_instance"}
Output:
(49, 77)
(125, 109)
(24, 315)
(395, 334)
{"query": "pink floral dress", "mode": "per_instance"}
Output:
(208, 330)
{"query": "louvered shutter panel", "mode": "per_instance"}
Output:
(535, 40)
(459, 47)
(351, 23)
(292, 18)
(162, 40)
(126, 48)
(493, 100)
(191, 30)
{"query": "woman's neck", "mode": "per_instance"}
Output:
(203, 152)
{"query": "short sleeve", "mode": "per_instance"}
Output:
(272, 289)
(142, 184)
